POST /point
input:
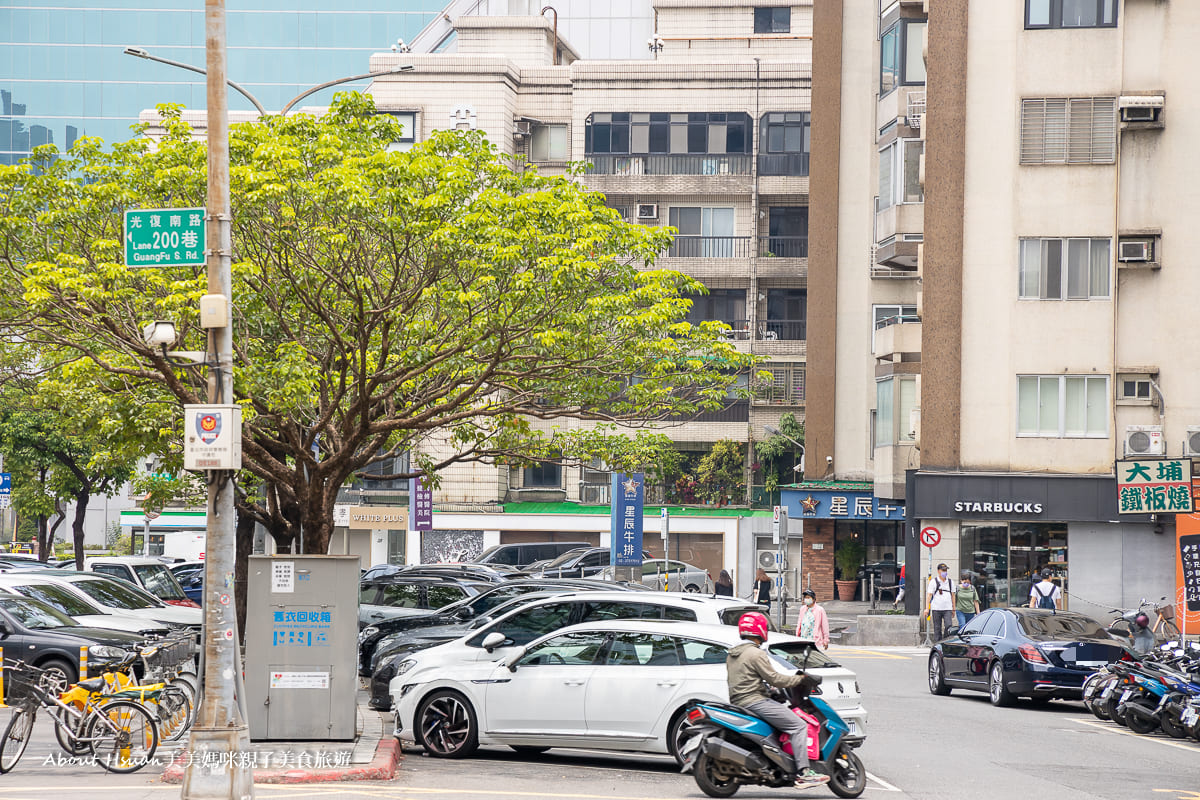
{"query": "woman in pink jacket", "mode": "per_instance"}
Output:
(814, 624)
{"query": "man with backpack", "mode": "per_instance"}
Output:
(939, 602)
(1045, 594)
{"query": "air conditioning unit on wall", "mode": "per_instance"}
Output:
(1191, 441)
(1144, 440)
(767, 559)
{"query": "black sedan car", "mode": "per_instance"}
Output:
(38, 634)
(1022, 652)
(585, 562)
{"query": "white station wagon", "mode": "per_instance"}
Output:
(614, 685)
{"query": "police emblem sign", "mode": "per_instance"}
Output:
(212, 437)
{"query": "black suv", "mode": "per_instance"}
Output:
(578, 564)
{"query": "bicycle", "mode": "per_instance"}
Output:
(121, 735)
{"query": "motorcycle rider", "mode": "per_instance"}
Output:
(749, 669)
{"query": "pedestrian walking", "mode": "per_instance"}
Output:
(966, 605)
(939, 602)
(900, 594)
(724, 585)
(762, 589)
(1046, 593)
(814, 622)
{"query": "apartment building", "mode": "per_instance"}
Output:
(710, 136)
(1020, 324)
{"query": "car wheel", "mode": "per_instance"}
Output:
(937, 676)
(677, 733)
(62, 672)
(997, 691)
(528, 750)
(447, 726)
(692, 588)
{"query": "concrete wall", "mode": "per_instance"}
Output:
(1117, 565)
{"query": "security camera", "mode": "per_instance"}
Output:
(828, 459)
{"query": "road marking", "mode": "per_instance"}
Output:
(1098, 725)
(887, 787)
(421, 790)
(1184, 794)
(854, 652)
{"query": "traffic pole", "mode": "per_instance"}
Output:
(214, 771)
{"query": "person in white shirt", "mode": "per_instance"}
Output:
(939, 602)
(1045, 594)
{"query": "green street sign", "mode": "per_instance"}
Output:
(164, 237)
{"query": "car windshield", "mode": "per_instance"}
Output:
(731, 615)
(159, 581)
(1058, 626)
(795, 653)
(35, 614)
(116, 595)
(566, 557)
(63, 599)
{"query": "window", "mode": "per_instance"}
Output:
(703, 232)
(786, 314)
(525, 626)
(60, 598)
(787, 228)
(1072, 269)
(614, 609)
(901, 61)
(545, 475)
(786, 386)
(1060, 130)
(785, 142)
(895, 399)
(626, 133)
(408, 133)
(1070, 13)
(1134, 388)
(994, 625)
(695, 652)
(399, 595)
(976, 625)
(113, 571)
(549, 143)
(773, 20)
(439, 596)
(1062, 406)
(642, 649)
(571, 649)
(722, 305)
(900, 173)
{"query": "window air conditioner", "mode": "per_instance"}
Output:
(1191, 441)
(1135, 250)
(1144, 440)
(522, 127)
(1139, 114)
(647, 211)
(767, 560)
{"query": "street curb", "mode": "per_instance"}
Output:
(383, 767)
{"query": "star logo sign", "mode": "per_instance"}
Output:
(810, 504)
(630, 486)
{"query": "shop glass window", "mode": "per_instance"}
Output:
(549, 143)
(983, 550)
(773, 20)
(1071, 269)
(1070, 13)
(895, 399)
(1032, 547)
(1062, 406)
(900, 173)
(652, 133)
(901, 61)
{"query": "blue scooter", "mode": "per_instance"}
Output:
(728, 747)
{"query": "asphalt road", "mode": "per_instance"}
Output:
(918, 746)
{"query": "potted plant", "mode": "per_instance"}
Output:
(849, 557)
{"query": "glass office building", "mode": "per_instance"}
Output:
(64, 74)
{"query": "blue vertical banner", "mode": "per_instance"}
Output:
(5, 490)
(628, 493)
(420, 506)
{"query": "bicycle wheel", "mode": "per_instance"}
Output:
(1168, 630)
(174, 713)
(122, 736)
(69, 733)
(16, 737)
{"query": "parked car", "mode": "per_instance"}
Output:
(585, 562)
(40, 634)
(30, 583)
(119, 597)
(1028, 652)
(614, 685)
(674, 576)
(404, 595)
(520, 627)
(522, 555)
(190, 575)
(464, 610)
(147, 573)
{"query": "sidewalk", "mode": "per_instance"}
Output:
(374, 755)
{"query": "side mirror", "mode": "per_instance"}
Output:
(493, 640)
(952, 631)
(4, 628)
(511, 661)
(466, 612)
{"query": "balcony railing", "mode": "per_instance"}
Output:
(782, 329)
(779, 396)
(783, 246)
(783, 164)
(670, 165)
(710, 247)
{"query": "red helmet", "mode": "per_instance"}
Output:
(1142, 621)
(753, 624)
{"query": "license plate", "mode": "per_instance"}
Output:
(853, 726)
(1079, 663)
(1108, 690)
(1125, 695)
(1190, 716)
(1089, 691)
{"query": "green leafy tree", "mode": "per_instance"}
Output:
(720, 472)
(777, 453)
(434, 301)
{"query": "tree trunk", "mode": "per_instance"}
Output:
(81, 504)
(42, 537)
(317, 511)
(241, 568)
(44, 553)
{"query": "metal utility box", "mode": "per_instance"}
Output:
(301, 647)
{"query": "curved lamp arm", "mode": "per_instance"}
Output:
(141, 53)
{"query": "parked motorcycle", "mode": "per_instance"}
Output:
(727, 747)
